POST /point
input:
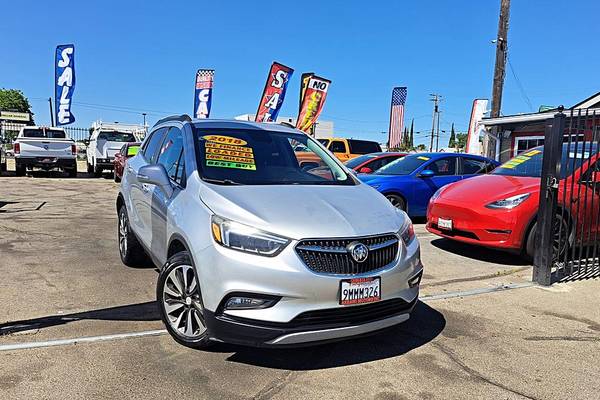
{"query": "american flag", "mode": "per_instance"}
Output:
(397, 117)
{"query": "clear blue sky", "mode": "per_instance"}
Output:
(143, 55)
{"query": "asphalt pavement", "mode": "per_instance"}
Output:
(482, 329)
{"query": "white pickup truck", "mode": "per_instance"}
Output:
(45, 148)
(106, 140)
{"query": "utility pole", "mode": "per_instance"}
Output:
(437, 141)
(436, 98)
(144, 115)
(500, 67)
(51, 112)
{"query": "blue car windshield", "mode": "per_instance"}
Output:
(403, 166)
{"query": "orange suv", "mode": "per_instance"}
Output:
(347, 149)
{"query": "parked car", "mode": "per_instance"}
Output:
(105, 141)
(127, 151)
(2, 156)
(253, 249)
(409, 182)
(499, 210)
(369, 163)
(347, 149)
(45, 148)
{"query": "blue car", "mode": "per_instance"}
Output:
(409, 182)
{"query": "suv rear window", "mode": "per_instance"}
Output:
(363, 146)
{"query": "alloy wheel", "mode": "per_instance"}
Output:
(123, 232)
(181, 302)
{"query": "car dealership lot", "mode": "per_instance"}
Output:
(62, 279)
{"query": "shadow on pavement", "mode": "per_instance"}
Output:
(423, 326)
(133, 312)
(479, 253)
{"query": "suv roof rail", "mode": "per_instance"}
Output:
(180, 118)
(287, 124)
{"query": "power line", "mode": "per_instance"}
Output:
(519, 85)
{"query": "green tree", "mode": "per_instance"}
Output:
(421, 147)
(461, 140)
(411, 144)
(452, 142)
(14, 100)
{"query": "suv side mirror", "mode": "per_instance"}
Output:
(365, 170)
(156, 174)
(427, 173)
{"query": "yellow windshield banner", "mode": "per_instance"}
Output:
(225, 140)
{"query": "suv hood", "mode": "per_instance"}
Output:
(488, 188)
(298, 211)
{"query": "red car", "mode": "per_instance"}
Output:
(128, 150)
(369, 163)
(499, 210)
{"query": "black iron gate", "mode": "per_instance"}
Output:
(568, 236)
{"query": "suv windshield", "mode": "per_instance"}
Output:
(259, 157)
(114, 136)
(403, 166)
(529, 163)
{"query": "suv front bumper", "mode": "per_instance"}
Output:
(308, 310)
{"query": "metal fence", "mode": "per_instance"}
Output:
(10, 130)
(568, 236)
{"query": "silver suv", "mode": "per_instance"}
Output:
(263, 238)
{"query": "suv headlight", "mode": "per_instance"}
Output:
(245, 238)
(407, 231)
(510, 202)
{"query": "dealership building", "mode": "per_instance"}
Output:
(521, 132)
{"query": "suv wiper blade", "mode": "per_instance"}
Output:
(221, 181)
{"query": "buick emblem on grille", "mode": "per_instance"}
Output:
(358, 251)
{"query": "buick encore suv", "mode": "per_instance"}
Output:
(254, 247)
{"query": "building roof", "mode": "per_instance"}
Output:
(591, 105)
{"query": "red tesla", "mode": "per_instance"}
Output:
(499, 209)
(127, 151)
(369, 163)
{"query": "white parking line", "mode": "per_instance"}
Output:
(91, 339)
(88, 339)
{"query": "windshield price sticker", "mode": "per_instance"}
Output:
(229, 164)
(533, 153)
(229, 158)
(225, 140)
(228, 152)
(228, 147)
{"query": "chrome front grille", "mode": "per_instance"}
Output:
(331, 256)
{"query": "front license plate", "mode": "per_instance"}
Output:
(445, 224)
(360, 290)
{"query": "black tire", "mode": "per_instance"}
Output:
(131, 251)
(115, 177)
(188, 307)
(397, 201)
(19, 169)
(90, 168)
(72, 170)
(97, 171)
(560, 244)
(3, 167)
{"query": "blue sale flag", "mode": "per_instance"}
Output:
(203, 93)
(64, 80)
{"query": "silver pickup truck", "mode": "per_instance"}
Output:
(46, 148)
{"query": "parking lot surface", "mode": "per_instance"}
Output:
(62, 279)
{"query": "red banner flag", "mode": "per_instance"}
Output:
(312, 103)
(274, 93)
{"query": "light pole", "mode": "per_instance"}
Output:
(144, 115)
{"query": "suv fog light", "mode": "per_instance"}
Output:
(249, 303)
(415, 280)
